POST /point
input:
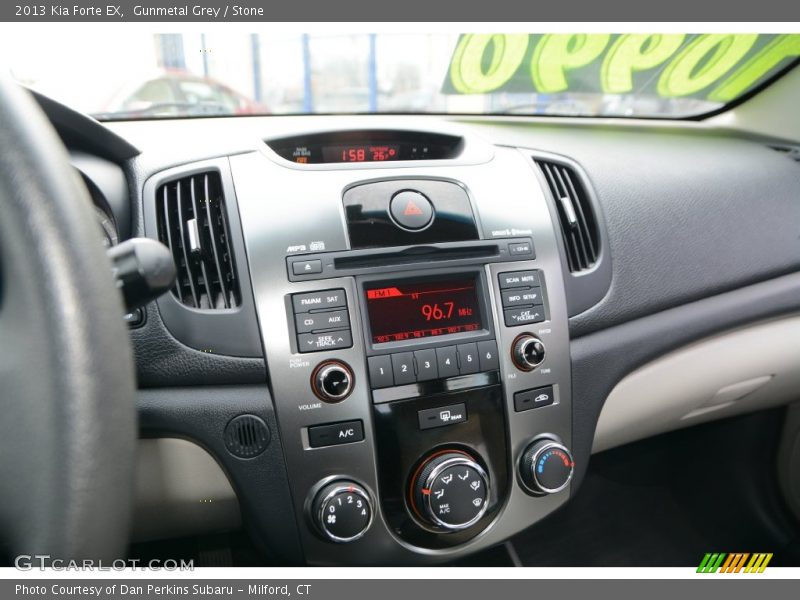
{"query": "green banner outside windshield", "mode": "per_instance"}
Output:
(712, 67)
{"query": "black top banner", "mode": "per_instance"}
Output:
(408, 10)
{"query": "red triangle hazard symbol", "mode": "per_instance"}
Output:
(412, 209)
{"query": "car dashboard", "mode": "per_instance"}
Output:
(392, 338)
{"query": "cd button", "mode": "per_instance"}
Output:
(403, 368)
(520, 249)
(336, 319)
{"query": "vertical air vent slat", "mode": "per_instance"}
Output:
(192, 222)
(575, 215)
(213, 236)
(188, 264)
(165, 233)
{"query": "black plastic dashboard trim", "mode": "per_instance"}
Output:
(261, 484)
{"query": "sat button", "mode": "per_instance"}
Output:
(411, 210)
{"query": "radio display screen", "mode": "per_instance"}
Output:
(411, 310)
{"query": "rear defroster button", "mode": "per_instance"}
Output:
(411, 210)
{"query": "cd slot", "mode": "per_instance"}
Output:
(415, 254)
(306, 267)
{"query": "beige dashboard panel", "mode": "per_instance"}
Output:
(180, 491)
(741, 371)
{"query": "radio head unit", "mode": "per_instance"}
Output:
(421, 308)
(420, 311)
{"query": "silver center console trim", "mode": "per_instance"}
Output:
(286, 211)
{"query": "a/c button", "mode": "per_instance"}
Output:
(334, 434)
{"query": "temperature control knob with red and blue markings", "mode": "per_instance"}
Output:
(546, 467)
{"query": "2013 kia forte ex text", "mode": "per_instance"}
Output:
(400, 299)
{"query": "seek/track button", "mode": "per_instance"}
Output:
(316, 342)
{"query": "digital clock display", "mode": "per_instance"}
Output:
(361, 153)
(420, 309)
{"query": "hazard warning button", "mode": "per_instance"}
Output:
(411, 210)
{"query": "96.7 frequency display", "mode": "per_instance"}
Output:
(418, 309)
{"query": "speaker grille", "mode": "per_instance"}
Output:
(246, 436)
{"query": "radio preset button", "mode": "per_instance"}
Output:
(380, 371)
(487, 353)
(468, 358)
(426, 365)
(521, 297)
(519, 279)
(403, 368)
(524, 316)
(319, 300)
(447, 361)
(316, 342)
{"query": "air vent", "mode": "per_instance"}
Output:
(193, 223)
(246, 436)
(575, 214)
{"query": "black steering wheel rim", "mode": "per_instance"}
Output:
(68, 425)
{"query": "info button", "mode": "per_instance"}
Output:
(442, 416)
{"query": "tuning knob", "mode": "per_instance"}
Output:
(342, 511)
(527, 352)
(450, 490)
(546, 467)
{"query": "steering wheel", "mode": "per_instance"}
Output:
(67, 413)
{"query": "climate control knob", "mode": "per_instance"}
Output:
(332, 381)
(546, 467)
(450, 490)
(342, 511)
(527, 352)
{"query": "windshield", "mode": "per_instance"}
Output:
(136, 75)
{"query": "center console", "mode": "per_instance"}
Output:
(415, 331)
